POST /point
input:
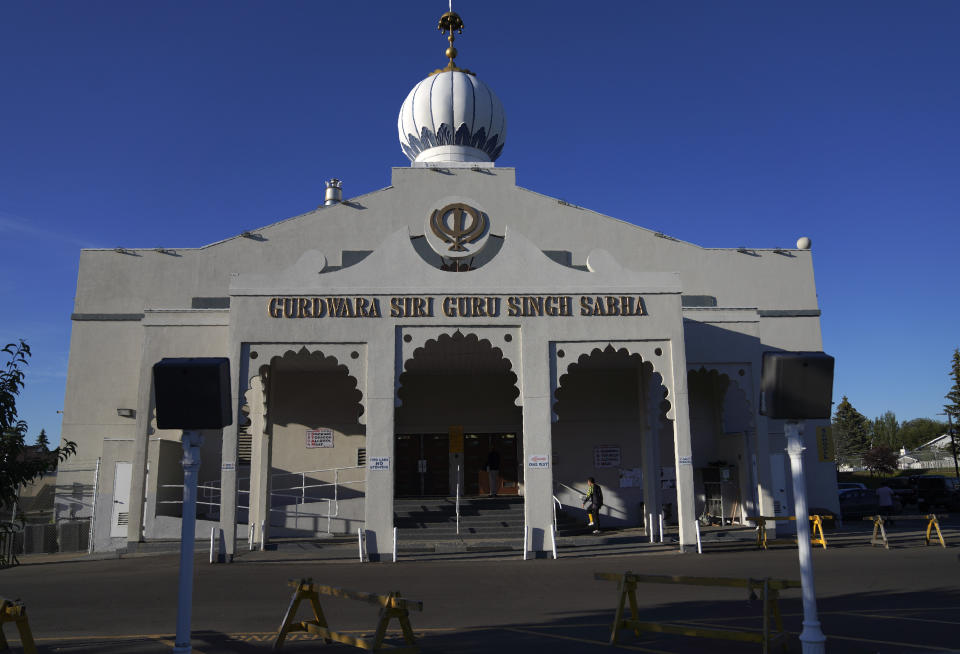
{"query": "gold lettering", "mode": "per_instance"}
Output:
(275, 310)
(420, 307)
(613, 305)
(396, 307)
(550, 305)
(318, 308)
(362, 308)
(449, 307)
(478, 307)
(303, 307)
(566, 305)
(598, 306)
(513, 306)
(289, 307)
(640, 311)
(493, 306)
(374, 308)
(586, 305)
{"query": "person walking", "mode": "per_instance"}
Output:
(593, 501)
(885, 497)
(493, 470)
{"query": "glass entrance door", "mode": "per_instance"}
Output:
(422, 465)
(476, 447)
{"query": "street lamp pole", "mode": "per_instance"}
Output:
(811, 638)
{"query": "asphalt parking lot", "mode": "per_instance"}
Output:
(870, 600)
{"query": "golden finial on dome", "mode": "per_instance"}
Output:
(451, 22)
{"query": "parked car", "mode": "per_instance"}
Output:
(904, 490)
(934, 491)
(858, 502)
(850, 485)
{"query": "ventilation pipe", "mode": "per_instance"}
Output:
(334, 194)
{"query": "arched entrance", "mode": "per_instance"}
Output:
(457, 400)
(722, 432)
(611, 424)
(307, 443)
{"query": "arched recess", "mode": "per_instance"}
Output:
(457, 397)
(504, 342)
(307, 436)
(457, 378)
(611, 407)
(722, 432)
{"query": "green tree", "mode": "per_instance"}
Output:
(952, 407)
(880, 460)
(42, 440)
(19, 464)
(851, 433)
(918, 431)
(885, 430)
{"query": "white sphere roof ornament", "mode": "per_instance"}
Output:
(451, 116)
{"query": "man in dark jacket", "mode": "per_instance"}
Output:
(493, 470)
(593, 501)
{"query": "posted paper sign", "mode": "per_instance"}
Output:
(606, 456)
(380, 463)
(631, 478)
(319, 438)
(538, 462)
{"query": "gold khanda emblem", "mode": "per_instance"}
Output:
(458, 224)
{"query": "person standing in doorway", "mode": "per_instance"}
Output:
(885, 500)
(593, 501)
(493, 470)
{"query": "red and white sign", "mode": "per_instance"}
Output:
(319, 438)
(538, 461)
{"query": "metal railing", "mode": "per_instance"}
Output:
(302, 497)
(458, 501)
(209, 490)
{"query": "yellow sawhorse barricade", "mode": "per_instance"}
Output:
(770, 588)
(392, 605)
(817, 536)
(878, 529)
(14, 611)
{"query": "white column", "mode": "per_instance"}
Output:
(537, 437)
(379, 412)
(650, 434)
(239, 368)
(812, 636)
(259, 460)
(138, 484)
(682, 448)
(764, 478)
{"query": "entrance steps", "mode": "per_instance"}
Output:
(427, 520)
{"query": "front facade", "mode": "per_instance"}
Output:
(381, 346)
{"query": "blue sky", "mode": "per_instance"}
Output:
(175, 124)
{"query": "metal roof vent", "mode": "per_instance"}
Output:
(334, 194)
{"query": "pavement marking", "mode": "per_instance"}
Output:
(585, 640)
(893, 617)
(910, 646)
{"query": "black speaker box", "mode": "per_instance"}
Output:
(796, 385)
(192, 393)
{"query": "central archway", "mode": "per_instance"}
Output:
(456, 400)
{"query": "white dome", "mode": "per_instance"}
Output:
(452, 116)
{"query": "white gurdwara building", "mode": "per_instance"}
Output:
(381, 346)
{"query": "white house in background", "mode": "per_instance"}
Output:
(935, 453)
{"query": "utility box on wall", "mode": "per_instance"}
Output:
(796, 385)
(192, 393)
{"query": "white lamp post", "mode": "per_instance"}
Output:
(192, 440)
(811, 637)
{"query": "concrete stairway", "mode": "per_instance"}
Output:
(425, 521)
